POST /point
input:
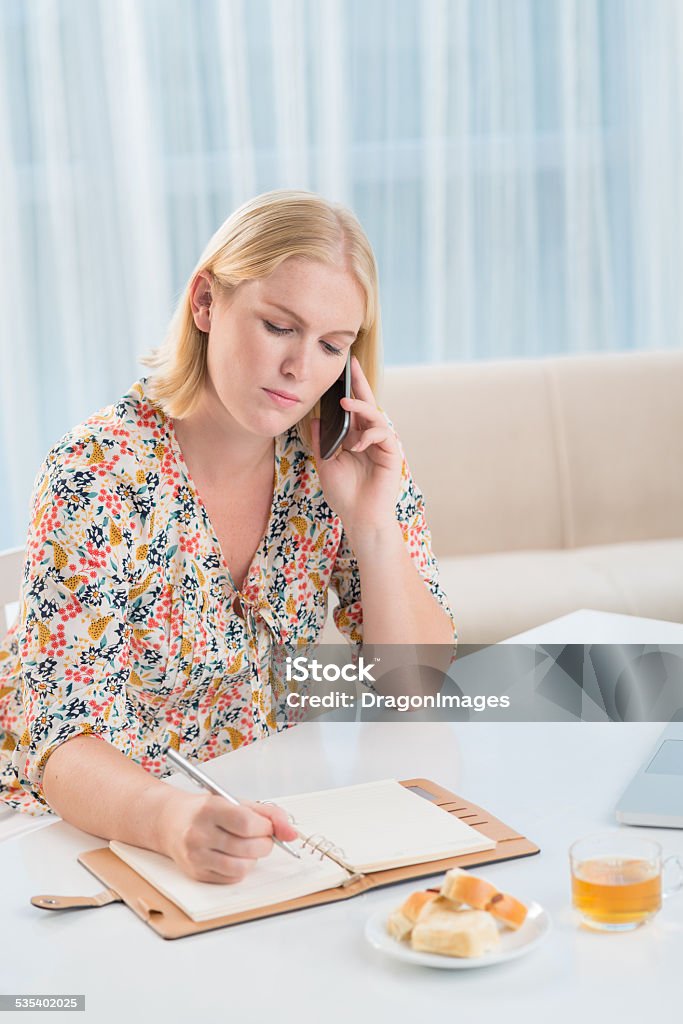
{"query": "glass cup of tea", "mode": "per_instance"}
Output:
(617, 880)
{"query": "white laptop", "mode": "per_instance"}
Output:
(655, 796)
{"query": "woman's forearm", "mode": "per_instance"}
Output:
(93, 786)
(397, 606)
(400, 613)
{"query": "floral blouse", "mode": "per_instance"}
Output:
(130, 627)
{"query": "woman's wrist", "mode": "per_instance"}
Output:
(161, 804)
(374, 541)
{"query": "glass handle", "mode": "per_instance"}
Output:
(678, 885)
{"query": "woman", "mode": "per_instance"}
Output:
(179, 534)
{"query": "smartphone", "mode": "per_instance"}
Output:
(334, 419)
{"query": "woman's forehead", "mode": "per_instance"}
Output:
(312, 291)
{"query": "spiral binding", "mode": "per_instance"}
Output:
(324, 846)
(318, 843)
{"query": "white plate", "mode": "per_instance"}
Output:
(512, 943)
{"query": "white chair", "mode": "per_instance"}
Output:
(11, 566)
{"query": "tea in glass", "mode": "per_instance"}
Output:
(617, 880)
(616, 890)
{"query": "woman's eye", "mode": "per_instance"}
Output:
(330, 350)
(275, 330)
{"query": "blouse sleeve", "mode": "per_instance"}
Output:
(345, 578)
(73, 639)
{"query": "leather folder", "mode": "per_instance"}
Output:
(126, 886)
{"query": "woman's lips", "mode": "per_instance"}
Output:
(280, 399)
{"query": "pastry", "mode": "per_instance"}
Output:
(461, 887)
(508, 910)
(456, 933)
(398, 925)
(436, 906)
(400, 922)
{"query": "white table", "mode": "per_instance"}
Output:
(593, 627)
(552, 781)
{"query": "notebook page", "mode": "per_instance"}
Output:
(275, 878)
(382, 824)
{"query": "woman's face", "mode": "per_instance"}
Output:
(289, 332)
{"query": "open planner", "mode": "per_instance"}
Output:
(356, 829)
(352, 839)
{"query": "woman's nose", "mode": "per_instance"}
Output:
(297, 362)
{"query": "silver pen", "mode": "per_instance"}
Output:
(198, 776)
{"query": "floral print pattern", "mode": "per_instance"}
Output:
(130, 626)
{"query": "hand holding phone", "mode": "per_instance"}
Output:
(362, 483)
(335, 421)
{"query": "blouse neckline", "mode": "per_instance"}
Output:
(255, 572)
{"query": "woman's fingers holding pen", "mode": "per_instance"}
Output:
(215, 841)
(222, 869)
(249, 834)
(253, 820)
(281, 827)
(249, 837)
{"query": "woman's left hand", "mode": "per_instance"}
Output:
(361, 481)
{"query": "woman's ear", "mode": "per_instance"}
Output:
(200, 300)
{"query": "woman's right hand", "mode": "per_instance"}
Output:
(212, 840)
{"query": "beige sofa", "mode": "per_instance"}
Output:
(550, 484)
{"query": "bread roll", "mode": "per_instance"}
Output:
(508, 910)
(437, 906)
(459, 933)
(401, 921)
(416, 902)
(461, 887)
(399, 926)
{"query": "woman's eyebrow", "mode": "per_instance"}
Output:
(290, 312)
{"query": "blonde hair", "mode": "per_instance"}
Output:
(252, 242)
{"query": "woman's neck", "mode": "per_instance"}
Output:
(217, 449)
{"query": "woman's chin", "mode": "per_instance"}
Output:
(271, 425)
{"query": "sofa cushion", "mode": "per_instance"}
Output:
(500, 595)
(620, 445)
(544, 453)
(497, 596)
(479, 440)
(649, 575)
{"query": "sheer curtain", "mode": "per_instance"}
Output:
(516, 164)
